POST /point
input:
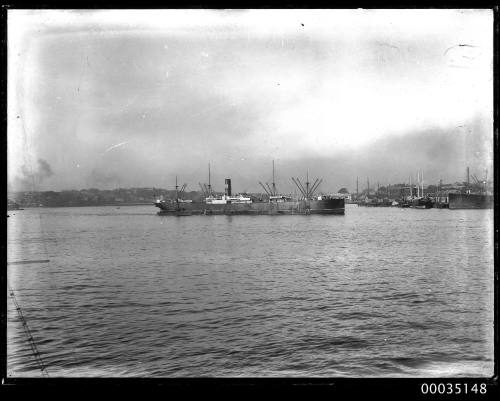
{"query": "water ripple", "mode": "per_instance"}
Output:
(374, 293)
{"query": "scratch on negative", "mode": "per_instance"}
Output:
(459, 45)
(115, 146)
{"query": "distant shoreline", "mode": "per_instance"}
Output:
(115, 205)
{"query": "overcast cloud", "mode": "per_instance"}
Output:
(134, 98)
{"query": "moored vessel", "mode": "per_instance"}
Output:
(228, 204)
(175, 207)
(470, 201)
(475, 195)
(242, 204)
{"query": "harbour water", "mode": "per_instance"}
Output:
(378, 292)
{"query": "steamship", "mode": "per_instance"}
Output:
(240, 204)
(470, 201)
(475, 196)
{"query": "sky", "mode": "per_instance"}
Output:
(133, 98)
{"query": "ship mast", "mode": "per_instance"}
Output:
(357, 196)
(418, 184)
(209, 186)
(307, 191)
(422, 177)
(274, 184)
(176, 193)
(307, 184)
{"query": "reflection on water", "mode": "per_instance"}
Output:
(377, 292)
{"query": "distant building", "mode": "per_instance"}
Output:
(344, 195)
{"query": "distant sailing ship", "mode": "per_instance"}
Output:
(417, 201)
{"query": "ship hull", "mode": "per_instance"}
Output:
(422, 204)
(470, 201)
(328, 206)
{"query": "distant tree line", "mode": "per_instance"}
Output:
(90, 197)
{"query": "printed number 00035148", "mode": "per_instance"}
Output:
(453, 388)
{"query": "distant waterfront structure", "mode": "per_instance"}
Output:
(357, 189)
(439, 192)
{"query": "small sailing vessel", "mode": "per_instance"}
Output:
(174, 207)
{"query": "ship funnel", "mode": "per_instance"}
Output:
(228, 186)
